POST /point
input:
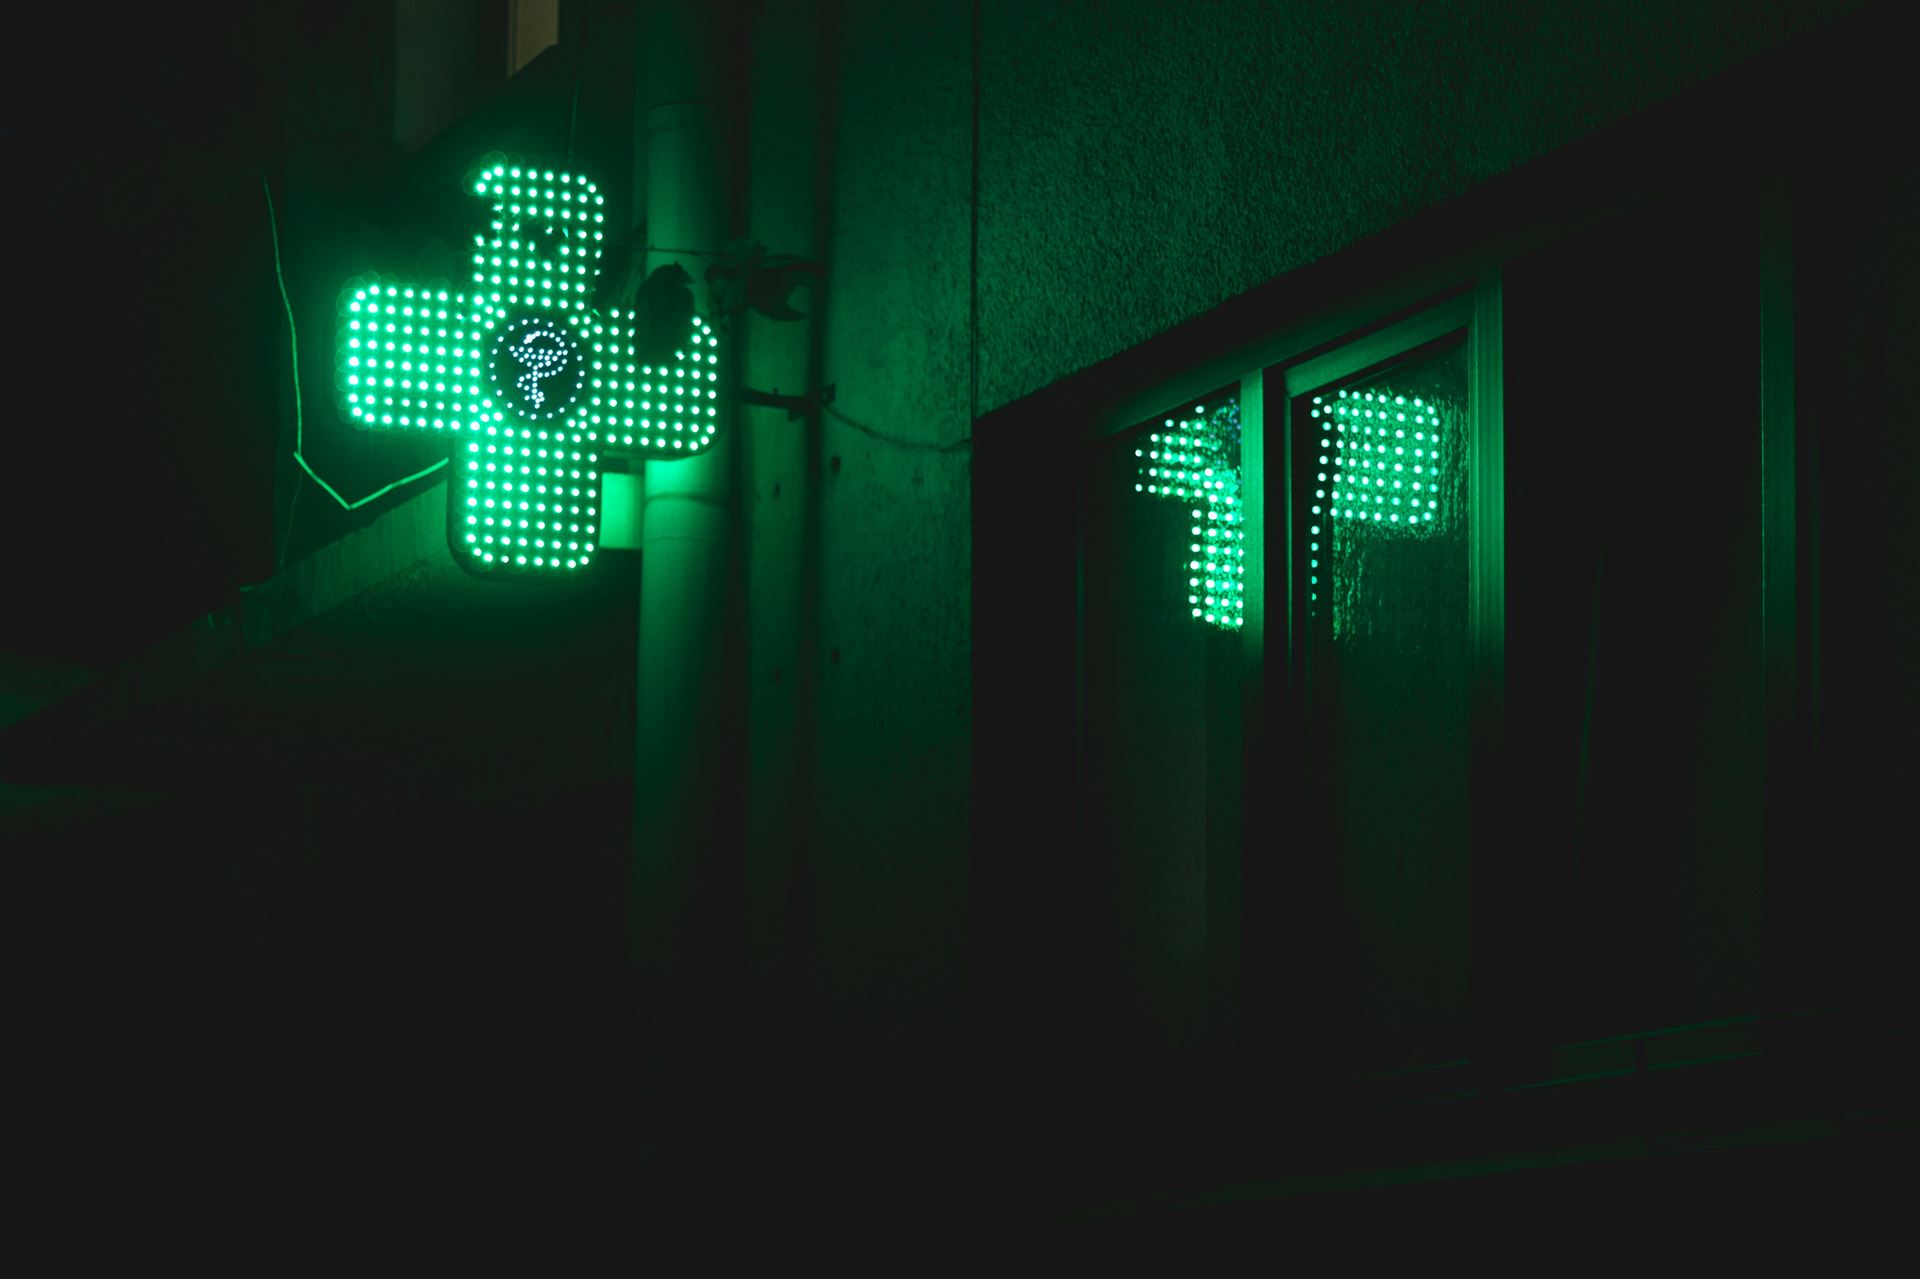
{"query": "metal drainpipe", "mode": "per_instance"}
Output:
(678, 761)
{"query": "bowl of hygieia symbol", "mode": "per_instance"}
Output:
(536, 367)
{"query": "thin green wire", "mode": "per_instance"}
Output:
(299, 423)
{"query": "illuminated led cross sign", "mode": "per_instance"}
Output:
(532, 385)
(1197, 463)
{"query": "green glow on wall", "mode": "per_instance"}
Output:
(533, 385)
(1197, 462)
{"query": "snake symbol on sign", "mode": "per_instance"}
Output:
(534, 386)
(541, 360)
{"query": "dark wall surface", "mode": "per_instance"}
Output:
(1133, 167)
(1646, 861)
(1021, 207)
(1142, 163)
(195, 163)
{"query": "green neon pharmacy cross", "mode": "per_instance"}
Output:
(532, 385)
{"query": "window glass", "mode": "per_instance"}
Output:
(1382, 496)
(1633, 568)
(1160, 581)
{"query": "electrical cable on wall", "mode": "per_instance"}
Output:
(898, 442)
(299, 416)
(820, 400)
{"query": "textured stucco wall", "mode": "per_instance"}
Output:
(1139, 163)
(882, 735)
(1143, 162)
(893, 777)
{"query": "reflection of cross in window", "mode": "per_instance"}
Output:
(1198, 462)
(540, 361)
(1371, 432)
(1389, 478)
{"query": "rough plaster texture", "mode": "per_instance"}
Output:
(1142, 162)
(1139, 164)
(889, 792)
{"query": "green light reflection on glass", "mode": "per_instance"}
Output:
(1196, 461)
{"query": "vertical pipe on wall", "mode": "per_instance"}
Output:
(789, 202)
(1785, 720)
(679, 760)
(1489, 827)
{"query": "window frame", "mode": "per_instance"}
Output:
(1274, 682)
